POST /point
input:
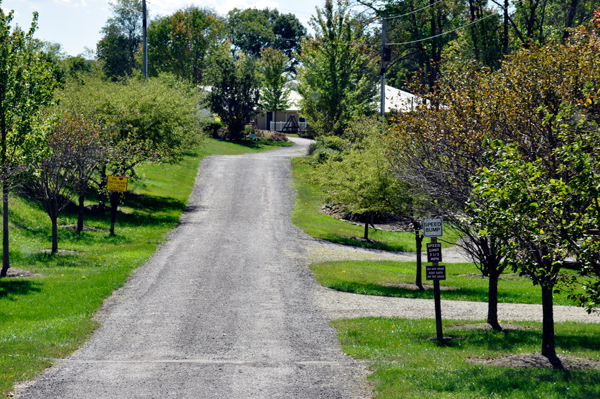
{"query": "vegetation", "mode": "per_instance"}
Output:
(275, 95)
(338, 71)
(406, 363)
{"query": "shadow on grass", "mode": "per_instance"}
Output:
(379, 290)
(153, 203)
(372, 245)
(10, 287)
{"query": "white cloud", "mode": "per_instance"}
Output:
(75, 3)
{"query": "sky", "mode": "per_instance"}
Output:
(76, 24)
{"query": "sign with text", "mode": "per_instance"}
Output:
(116, 183)
(435, 272)
(433, 227)
(434, 252)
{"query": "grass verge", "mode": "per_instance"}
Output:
(48, 316)
(308, 217)
(379, 278)
(406, 364)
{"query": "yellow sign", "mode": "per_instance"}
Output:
(116, 183)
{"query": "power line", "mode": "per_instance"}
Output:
(413, 12)
(441, 34)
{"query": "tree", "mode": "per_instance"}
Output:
(121, 40)
(235, 93)
(275, 95)
(252, 30)
(75, 150)
(338, 73)
(27, 82)
(183, 43)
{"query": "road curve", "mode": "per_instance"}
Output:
(222, 310)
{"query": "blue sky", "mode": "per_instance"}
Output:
(76, 24)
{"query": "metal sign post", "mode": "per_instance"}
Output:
(434, 228)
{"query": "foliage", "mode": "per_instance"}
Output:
(338, 72)
(27, 82)
(76, 148)
(121, 38)
(183, 43)
(235, 93)
(252, 30)
(275, 94)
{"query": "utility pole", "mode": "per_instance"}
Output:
(145, 39)
(384, 54)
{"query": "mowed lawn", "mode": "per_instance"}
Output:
(49, 315)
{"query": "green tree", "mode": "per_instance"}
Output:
(183, 43)
(275, 94)
(252, 30)
(27, 82)
(235, 93)
(338, 72)
(121, 39)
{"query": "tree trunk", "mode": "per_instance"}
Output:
(366, 235)
(419, 245)
(103, 181)
(548, 348)
(5, 258)
(492, 317)
(115, 196)
(54, 234)
(505, 35)
(80, 213)
(570, 18)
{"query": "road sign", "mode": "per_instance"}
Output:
(435, 272)
(433, 227)
(116, 183)
(434, 252)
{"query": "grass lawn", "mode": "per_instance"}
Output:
(308, 217)
(49, 316)
(367, 277)
(406, 364)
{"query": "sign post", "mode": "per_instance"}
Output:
(116, 185)
(434, 228)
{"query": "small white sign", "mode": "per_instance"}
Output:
(433, 227)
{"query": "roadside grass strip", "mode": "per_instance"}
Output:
(48, 315)
(386, 278)
(407, 364)
(308, 217)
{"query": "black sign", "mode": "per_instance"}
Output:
(434, 252)
(435, 272)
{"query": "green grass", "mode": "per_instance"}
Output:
(406, 364)
(49, 316)
(367, 277)
(308, 217)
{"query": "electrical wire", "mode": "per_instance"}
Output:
(441, 34)
(413, 12)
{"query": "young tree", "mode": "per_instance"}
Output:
(27, 82)
(235, 93)
(75, 147)
(275, 95)
(338, 73)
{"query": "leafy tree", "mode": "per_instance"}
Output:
(183, 43)
(338, 72)
(122, 36)
(27, 82)
(235, 93)
(252, 30)
(75, 150)
(275, 95)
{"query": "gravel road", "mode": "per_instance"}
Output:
(222, 310)
(227, 308)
